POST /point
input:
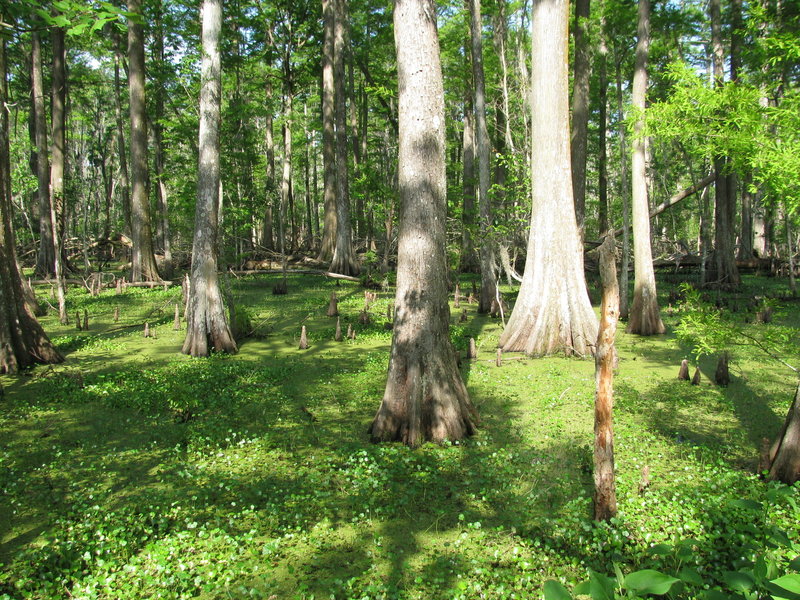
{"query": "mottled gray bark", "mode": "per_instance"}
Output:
(425, 397)
(328, 133)
(644, 317)
(45, 258)
(580, 109)
(22, 340)
(344, 259)
(207, 325)
(143, 259)
(553, 312)
(486, 248)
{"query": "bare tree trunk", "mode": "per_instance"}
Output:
(746, 231)
(122, 151)
(328, 133)
(580, 109)
(158, 163)
(58, 152)
(605, 495)
(785, 452)
(623, 189)
(644, 318)
(486, 249)
(425, 397)
(602, 161)
(23, 342)
(343, 261)
(45, 259)
(207, 325)
(144, 261)
(269, 140)
(724, 272)
(553, 312)
(468, 184)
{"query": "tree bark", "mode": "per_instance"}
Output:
(602, 161)
(328, 133)
(624, 194)
(45, 259)
(724, 272)
(485, 252)
(23, 342)
(158, 162)
(343, 260)
(425, 397)
(553, 312)
(468, 184)
(580, 109)
(644, 317)
(57, 166)
(122, 151)
(785, 452)
(605, 496)
(207, 325)
(269, 140)
(143, 260)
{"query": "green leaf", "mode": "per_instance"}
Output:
(77, 29)
(649, 581)
(582, 589)
(795, 564)
(738, 581)
(715, 595)
(690, 575)
(746, 504)
(553, 590)
(601, 587)
(661, 550)
(786, 587)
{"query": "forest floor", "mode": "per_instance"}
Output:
(132, 471)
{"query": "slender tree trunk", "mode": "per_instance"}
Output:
(500, 39)
(468, 184)
(486, 250)
(624, 193)
(553, 312)
(724, 271)
(23, 342)
(605, 497)
(207, 326)
(343, 260)
(269, 140)
(425, 397)
(286, 176)
(309, 241)
(45, 259)
(144, 261)
(328, 133)
(158, 163)
(58, 153)
(644, 318)
(604, 222)
(122, 151)
(746, 232)
(580, 109)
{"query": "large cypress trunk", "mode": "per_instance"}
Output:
(144, 261)
(785, 452)
(425, 397)
(22, 340)
(553, 312)
(207, 326)
(343, 260)
(328, 137)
